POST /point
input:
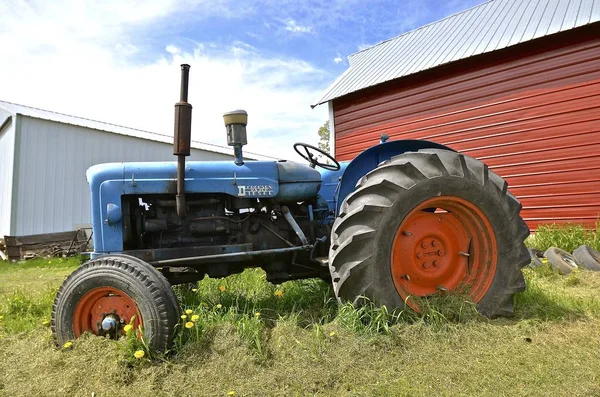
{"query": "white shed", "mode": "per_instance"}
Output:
(44, 156)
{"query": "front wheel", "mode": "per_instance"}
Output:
(105, 294)
(425, 223)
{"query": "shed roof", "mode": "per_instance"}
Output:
(29, 111)
(487, 27)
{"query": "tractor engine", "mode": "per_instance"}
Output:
(222, 224)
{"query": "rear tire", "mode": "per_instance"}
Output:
(118, 287)
(382, 226)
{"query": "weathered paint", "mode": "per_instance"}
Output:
(531, 112)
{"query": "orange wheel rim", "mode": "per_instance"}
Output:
(97, 304)
(444, 244)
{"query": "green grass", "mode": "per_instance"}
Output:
(568, 237)
(303, 343)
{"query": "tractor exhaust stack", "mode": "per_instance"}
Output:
(182, 137)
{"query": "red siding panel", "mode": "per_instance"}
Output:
(531, 112)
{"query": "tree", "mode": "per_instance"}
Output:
(324, 136)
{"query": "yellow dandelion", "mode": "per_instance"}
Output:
(231, 393)
(278, 293)
(194, 289)
(219, 306)
(139, 354)
(257, 314)
(128, 328)
(189, 311)
(222, 288)
(46, 322)
(68, 345)
(332, 333)
(183, 316)
(1, 318)
(195, 317)
(189, 324)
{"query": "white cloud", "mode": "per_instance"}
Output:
(338, 59)
(292, 26)
(86, 62)
(171, 49)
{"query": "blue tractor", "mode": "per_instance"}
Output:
(403, 220)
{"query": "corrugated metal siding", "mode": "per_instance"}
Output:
(7, 141)
(52, 192)
(532, 113)
(117, 129)
(488, 27)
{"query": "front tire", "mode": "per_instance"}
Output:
(428, 222)
(113, 291)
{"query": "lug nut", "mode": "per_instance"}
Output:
(419, 256)
(423, 244)
(435, 263)
(434, 243)
(426, 265)
(440, 252)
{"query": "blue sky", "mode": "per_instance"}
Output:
(117, 61)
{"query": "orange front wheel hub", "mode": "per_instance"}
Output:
(444, 244)
(104, 311)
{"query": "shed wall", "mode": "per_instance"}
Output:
(7, 150)
(52, 192)
(530, 112)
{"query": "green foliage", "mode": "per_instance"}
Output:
(23, 312)
(324, 137)
(568, 237)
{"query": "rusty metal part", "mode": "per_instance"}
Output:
(182, 138)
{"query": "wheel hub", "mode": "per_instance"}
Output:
(110, 326)
(444, 244)
(104, 311)
(430, 254)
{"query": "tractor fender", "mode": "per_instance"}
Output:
(371, 158)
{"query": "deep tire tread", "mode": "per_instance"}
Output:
(354, 233)
(125, 271)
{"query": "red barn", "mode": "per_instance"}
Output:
(515, 83)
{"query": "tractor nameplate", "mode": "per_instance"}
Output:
(255, 191)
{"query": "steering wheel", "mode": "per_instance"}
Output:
(312, 159)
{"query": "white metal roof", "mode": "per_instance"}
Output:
(29, 111)
(487, 27)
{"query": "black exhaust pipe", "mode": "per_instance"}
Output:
(182, 139)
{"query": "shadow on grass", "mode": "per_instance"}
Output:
(550, 305)
(308, 301)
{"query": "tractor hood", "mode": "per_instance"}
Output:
(259, 177)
